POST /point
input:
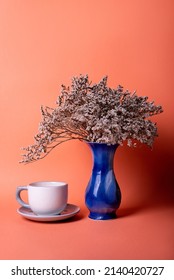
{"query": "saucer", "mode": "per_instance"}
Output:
(69, 212)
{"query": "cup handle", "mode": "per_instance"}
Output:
(18, 196)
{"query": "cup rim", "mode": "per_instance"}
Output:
(48, 184)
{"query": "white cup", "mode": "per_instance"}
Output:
(45, 198)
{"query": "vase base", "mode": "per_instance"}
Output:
(102, 216)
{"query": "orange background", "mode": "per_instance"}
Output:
(43, 44)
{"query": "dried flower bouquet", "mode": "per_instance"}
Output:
(94, 113)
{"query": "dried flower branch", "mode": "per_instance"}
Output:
(94, 113)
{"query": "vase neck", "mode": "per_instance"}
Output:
(103, 155)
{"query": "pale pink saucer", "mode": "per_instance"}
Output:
(69, 212)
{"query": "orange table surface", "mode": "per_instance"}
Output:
(137, 233)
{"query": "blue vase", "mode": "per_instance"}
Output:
(103, 194)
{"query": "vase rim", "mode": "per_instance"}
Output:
(108, 144)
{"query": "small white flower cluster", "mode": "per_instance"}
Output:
(94, 113)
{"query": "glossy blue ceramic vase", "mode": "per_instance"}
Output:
(103, 194)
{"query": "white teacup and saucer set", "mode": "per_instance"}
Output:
(47, 202)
